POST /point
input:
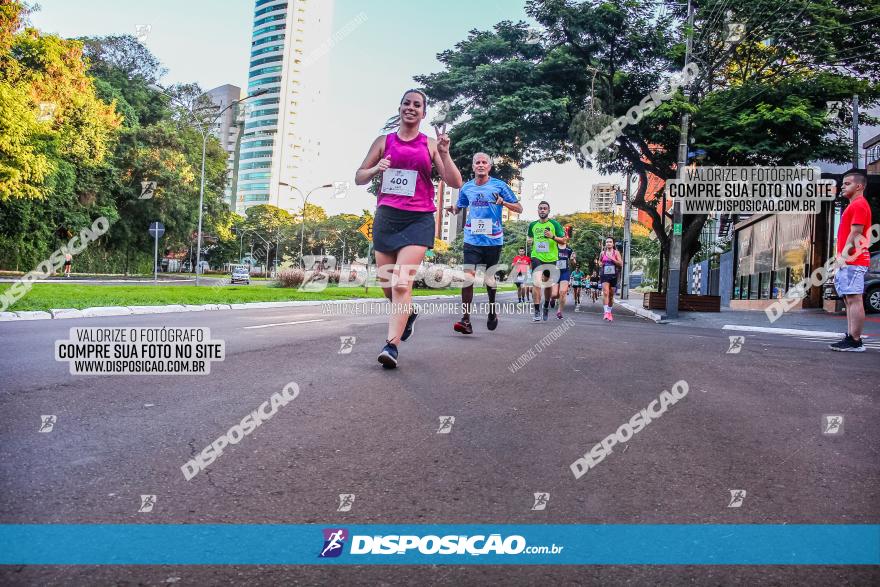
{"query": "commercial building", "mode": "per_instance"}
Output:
(228, 131)
(447, 226)
(508, 215)
(602, 197)
(773, 252)
(872, 155)
(280, 142)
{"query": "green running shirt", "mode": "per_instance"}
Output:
(545, 249)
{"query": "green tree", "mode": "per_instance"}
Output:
(56, 137)
(762, 100)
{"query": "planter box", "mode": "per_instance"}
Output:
(686, 302)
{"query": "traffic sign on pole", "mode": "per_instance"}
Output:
(157, 229)
(366, 229)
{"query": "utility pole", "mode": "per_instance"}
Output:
(855, 131)
(613, 204)
(675, 244)
(627, 238)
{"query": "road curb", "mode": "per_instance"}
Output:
(138, 310)
(652, 316)
(62, 313)
(33, 315)
(103, 311)
(106, 311)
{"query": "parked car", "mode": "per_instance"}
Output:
(871, 297)
(240, 273)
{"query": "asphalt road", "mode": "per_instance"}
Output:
(751, 421)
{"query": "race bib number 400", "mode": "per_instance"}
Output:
(399, 182)
(542, 247)
(481, 226)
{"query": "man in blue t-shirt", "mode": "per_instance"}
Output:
(485, 197)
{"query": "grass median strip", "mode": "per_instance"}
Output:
(47, 296)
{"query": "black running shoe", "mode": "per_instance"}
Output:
(388, 356)
(410, 324)
(848, 345)
(492, 322)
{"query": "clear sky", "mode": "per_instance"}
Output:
(208, 42)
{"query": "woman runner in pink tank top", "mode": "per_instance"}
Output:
(403, 227)
(610, 265)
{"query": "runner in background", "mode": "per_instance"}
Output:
(544, 236)
(520, 270)
(68, 260)
(594, 286)
(560, 291)
(577, 281)
(403, 226)
(485, 198)
(610, 265)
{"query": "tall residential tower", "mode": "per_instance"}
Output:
(281, 138)
(227, 129)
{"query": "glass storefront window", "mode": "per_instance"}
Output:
(753, 287)
(780, 284)
(797, 275)
(764, 285)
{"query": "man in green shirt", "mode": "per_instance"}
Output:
(544, 236)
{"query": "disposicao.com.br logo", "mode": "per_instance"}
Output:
(334, 541)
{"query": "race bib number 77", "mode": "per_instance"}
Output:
(481, 226)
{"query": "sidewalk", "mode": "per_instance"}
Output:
(812, 319)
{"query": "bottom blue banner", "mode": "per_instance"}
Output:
(486, 544)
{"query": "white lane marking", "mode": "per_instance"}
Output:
(811, 335)
(789, 331)
(868, 344)
(283, 324)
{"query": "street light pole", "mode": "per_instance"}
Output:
(204, 130)
(612, 221)
(267, 250)
(201, 206)
(302, 230)
(627, 239)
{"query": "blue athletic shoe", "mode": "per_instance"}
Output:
(410, 325)
(388, 356)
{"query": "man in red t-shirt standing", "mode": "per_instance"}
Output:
(521, 264)
(852, 247)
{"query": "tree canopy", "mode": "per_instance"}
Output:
(766, 72)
